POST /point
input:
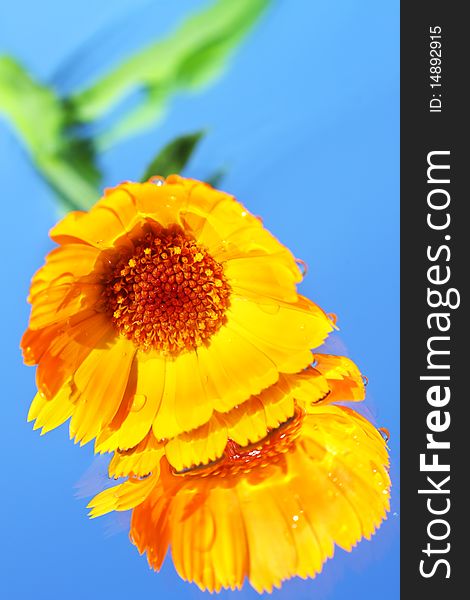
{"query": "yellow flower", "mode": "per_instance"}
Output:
(163, 304)
(267, 511)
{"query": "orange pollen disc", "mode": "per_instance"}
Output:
(244, 459)
(169, 294)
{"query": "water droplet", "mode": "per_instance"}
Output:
(295, 518)
(384, 432)
(138, 402)
(365, 380)
(157, 180)
(302, 265)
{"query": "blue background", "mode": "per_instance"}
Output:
(307, 122)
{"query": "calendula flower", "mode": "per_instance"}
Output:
(166, 302)
(333, 378)
(265, 512)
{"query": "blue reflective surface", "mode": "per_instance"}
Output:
(306, 122)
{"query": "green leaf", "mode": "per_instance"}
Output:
(49, 125)
(174, 156)
(66, 161)
(33, 109)
(188, 58)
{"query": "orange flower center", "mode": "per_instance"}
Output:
(170, 294)
(244, 459)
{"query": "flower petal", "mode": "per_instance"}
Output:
(138, 462)
(63, 299)
(185, 404)
(236, 367)
(146, 399)
(274, 278)
(122, 497)
(76, 260)
(303, 325)
(344, 378)
(204, 444)
(68, 348)
(100, 382)
(49, 414)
